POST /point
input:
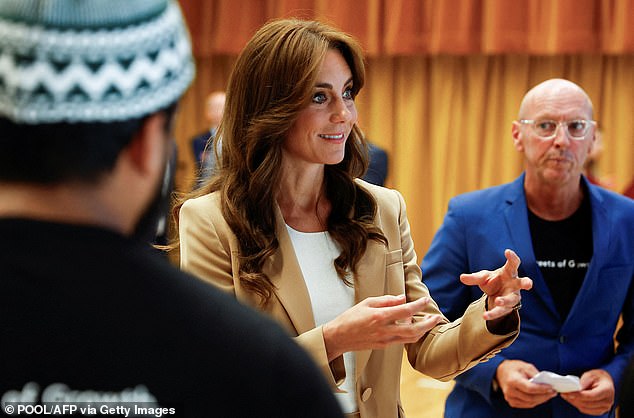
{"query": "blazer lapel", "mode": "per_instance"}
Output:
(516, 217)
(367, 284)
(284, 271)
(290, 288)
(600, 242)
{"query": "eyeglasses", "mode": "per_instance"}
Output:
(547, 129)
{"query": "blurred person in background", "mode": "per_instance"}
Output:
(205, 143)
(377, 167)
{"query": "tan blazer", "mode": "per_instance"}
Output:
(209, 250)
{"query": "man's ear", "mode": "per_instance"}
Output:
(594, 141)
(516, 132)
(147, 148)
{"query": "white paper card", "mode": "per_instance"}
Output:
(560, 383)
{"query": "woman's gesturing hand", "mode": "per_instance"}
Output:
(376, 323)
(502, 286)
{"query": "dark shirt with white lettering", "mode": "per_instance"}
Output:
(90, 317)
(563, 250)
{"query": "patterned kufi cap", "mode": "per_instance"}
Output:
(91, 60)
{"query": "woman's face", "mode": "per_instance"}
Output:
(319, 134)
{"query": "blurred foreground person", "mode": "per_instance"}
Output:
(91, 317)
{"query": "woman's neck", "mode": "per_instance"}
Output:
(302, 200)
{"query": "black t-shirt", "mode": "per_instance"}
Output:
(89, 315)
(563, 250)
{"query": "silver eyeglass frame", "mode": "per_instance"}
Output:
(566, 123)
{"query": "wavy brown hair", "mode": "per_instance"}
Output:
(272, 81)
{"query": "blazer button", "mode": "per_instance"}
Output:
(366, 394)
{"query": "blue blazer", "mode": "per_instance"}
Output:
(477, 228)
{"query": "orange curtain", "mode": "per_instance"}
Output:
(495, 26)
(444, 81)
(415, 27)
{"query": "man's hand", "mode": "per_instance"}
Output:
(513, 378)
(596, 396)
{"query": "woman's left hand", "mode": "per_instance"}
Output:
(502, 286)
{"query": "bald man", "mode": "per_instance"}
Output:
(576, 242)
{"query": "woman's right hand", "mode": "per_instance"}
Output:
(376, 323)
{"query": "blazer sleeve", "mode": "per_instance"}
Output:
(619, 268)
(202, 251)
(450, 348)
(441, 269)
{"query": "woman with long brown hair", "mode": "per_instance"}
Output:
(286, 226)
